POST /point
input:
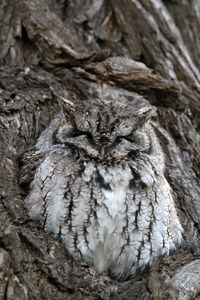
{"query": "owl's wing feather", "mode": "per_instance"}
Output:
(46, 201)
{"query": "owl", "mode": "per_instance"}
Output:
(99, 184)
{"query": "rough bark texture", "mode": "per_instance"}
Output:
(84, 49)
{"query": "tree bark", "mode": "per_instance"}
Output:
(81, 50)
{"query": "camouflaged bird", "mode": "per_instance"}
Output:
(99, 184)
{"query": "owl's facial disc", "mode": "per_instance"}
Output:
(99, 127)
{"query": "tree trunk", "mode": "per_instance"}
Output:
(81, 50)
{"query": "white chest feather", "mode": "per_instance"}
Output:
(108, 240)
(115, 196)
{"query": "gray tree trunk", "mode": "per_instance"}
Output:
(84, 49)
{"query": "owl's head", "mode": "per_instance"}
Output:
(104, 129)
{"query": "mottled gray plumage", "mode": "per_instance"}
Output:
(100, 185)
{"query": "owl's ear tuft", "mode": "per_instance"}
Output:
(67, 107)
(144, 115)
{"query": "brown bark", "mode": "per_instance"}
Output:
(95, 48)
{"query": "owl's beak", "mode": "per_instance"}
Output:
(102, 152)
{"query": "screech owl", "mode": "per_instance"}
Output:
(100, 185)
